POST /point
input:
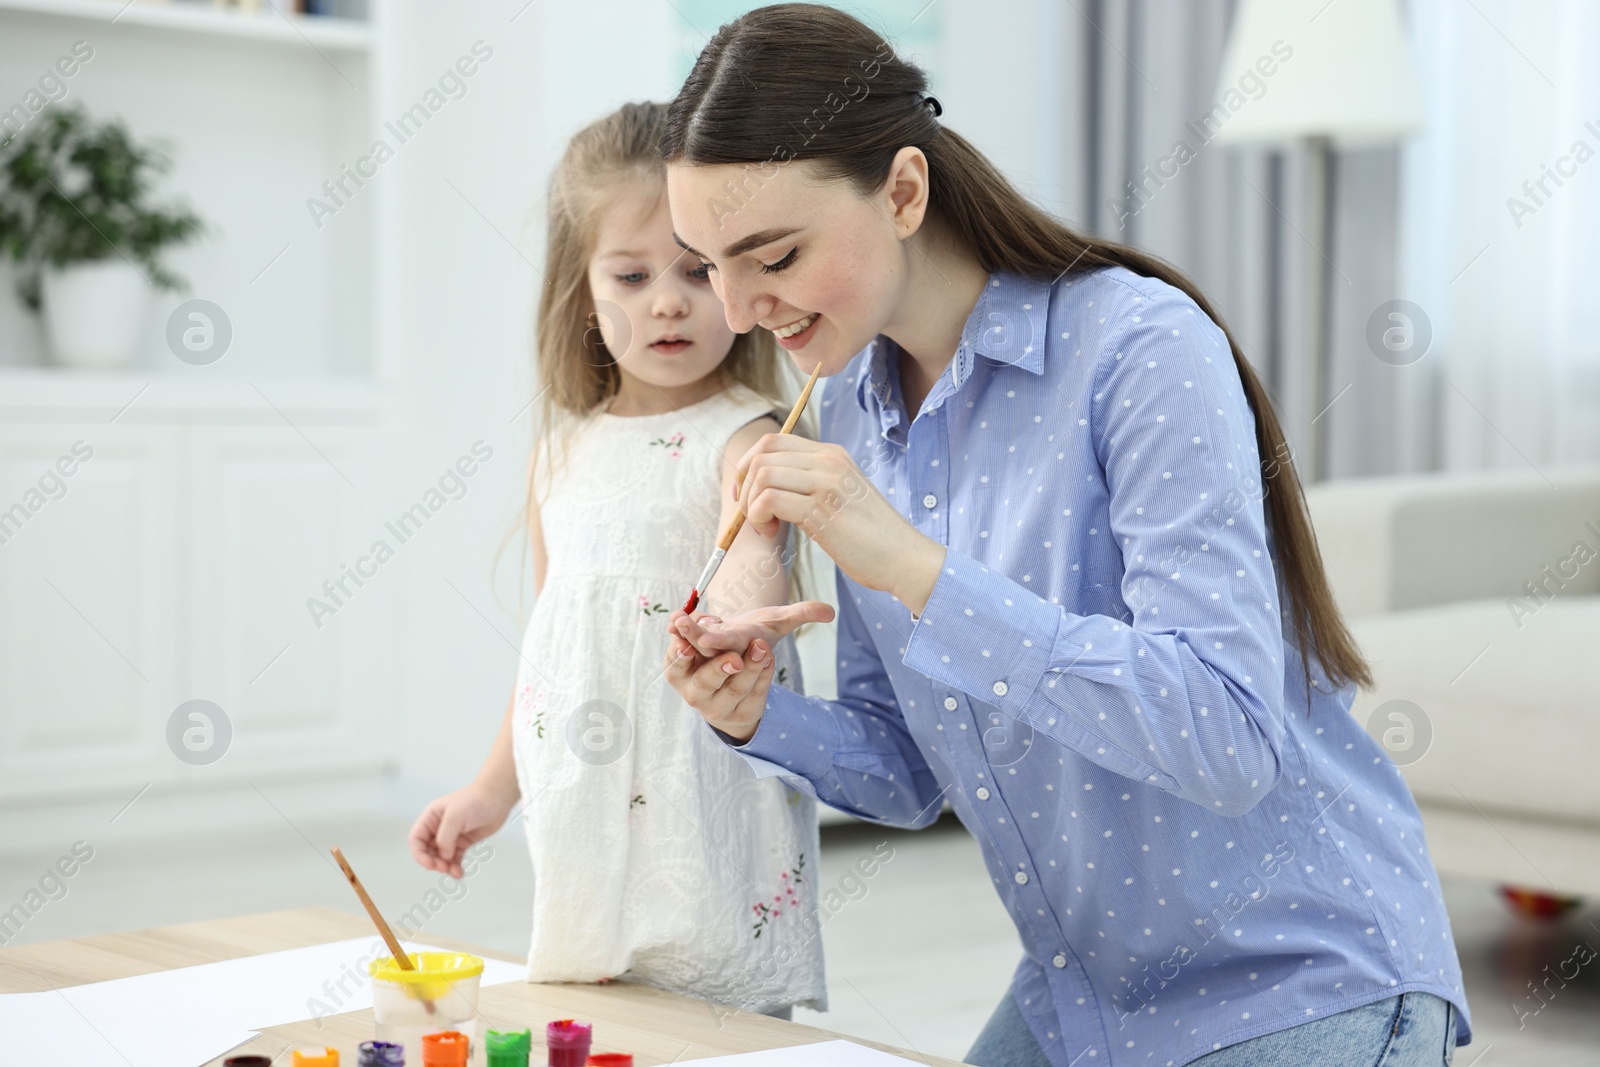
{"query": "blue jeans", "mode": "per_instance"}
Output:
(1410, 1030)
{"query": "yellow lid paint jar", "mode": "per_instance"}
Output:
(440, 993)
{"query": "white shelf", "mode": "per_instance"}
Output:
(288, 101)
(344, 35)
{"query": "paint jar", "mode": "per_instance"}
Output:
(315, 1057)
(247, 1061)
(609, 1059)
(439, 994)
(508, 1048)
(445, 1049)
(380, 1054)
(568, 1042)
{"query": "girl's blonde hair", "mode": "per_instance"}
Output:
(614, 156)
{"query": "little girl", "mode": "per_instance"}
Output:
(658, 856)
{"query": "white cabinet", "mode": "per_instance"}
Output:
(88, 587)
(272, 521)
(175, 563)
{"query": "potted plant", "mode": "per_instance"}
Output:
(75, 214)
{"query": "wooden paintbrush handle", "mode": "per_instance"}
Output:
(800, 404)
(736, 523)
(400, 957)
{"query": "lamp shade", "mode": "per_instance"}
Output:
(1339, 69)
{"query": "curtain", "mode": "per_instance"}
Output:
(1144, 74)
(1501, 199)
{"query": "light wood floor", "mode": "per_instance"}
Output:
(919, 960)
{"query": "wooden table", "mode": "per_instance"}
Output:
(657, 1027)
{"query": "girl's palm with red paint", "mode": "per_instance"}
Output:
(711, 635)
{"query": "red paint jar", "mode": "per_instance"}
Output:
(568, 1042)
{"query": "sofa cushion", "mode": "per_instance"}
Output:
(1513, 705)
(1412, 541)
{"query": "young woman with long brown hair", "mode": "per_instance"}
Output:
(1080, 597)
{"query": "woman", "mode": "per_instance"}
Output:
(1080, 599)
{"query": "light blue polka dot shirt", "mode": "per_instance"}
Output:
(1102, 686)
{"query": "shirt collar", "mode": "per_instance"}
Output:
(1008, 325)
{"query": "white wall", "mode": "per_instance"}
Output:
(1000, 72)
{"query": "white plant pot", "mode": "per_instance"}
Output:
(95, 313)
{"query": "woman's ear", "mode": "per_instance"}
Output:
(906, 189)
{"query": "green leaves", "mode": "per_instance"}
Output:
(75, 191)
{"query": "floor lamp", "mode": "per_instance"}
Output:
(1340, 77)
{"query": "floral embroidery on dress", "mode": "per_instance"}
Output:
(785, 898)
(657, 608)
(529, 700)
(673, 444)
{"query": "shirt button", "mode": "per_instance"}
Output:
(1000, 689)
(930, 501)
(1060, 960)
(1021, 877)
(982, 793)
(950, 703)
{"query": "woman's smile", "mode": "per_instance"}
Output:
(795, 335)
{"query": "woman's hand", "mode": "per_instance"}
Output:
(723, 669)
(454, 823)
(728, 690)
(819, 488)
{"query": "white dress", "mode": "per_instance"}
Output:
(658, 856)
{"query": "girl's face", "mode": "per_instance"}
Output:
(657, 313)
(814, 262)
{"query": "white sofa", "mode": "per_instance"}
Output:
(1433, 573)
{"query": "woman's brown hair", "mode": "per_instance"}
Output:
(795, 82)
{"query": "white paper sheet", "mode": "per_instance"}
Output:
(187, 1016)
(266, 990)
(821, 1054)
(45, 1028)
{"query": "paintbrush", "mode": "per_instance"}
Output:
(736, 523)
(400, 957)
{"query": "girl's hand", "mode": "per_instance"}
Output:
(454, 823)
(819, 488)
(711, 635)
(728, 690)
